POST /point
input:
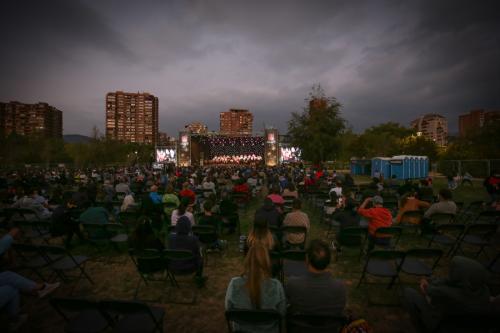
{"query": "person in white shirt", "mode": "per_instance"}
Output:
(337, 189)
(181, 211)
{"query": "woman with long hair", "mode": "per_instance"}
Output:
(260, 234)
(255, 289)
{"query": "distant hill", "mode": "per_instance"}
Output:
(76, 138)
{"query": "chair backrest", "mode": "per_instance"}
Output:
(294, 255)
(394, 232)
(205, 233)
(173, 255)
(442, 218)
(148, 261)
(413, 215)
(426, 254)
(301, 323)
(95, 231)
(253, 317)
(53, 249)
(386, 255)
(288, 229)
(71, 305)
(115, 309)
(484, 230)
(488, 216)
(352, 236)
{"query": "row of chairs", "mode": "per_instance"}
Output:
(84, 315)
(57, 259)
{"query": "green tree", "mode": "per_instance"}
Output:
(420, 146)
(317, 130)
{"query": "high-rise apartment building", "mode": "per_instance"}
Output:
(197, 127)
(30, 119)
(132, 117)
(236, 122)
(432, 126)
(475, 120)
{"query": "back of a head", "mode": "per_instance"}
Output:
(257, 268)
(318, 254)
(207, 205)
(445, 194)
(297, 204)
(183, 226)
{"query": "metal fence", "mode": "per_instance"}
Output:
(477, 168)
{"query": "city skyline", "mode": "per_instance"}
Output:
(389, 61)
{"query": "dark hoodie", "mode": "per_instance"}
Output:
(464, 291)
(183, 239)
(269, 213)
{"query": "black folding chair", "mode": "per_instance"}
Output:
(149, 264)
(383, 263)
(303, 323)
(80, 315)
(293, 263)
(411, 219)
(442, 218)
(421, 262)
(67, 262)
(32, 259)
(446, 235)
(173, 256)
(352, 237)
(252, 318)
(494, 265)
(131, 316)
(476, 235)
(391, 233)
(470, 212)
(488, 216)
(207, 235)
(294, 230)
(31, 226)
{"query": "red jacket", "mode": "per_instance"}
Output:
(187, 193)
(377, 217)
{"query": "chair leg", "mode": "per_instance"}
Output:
(361, 279)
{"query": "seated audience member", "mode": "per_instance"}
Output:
(296, 218)
(170, 198)
(242, 187)
(183, 239)
(260, 234)
(95, 215)
(270, 213)
(28, 202)
(156, 199)
(463, 292)
(275, 196)
(143, 237)
(255, 289)
(337, 189)
(180, 212)
(378, 217)
(316, 293)
(410, 203)
(65, 222)
(228, 210)
(122, 187)
(444, 205)
(208, 217)
(208, 186)
(348, 181)
(12, 284)
(425, 191)
(290, 191)
(187, 193)
(128, 202)
(347, 217)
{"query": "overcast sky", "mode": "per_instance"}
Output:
(383, 60)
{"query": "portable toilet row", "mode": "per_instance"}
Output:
(381, 166)
(409, 167)
(360, 166)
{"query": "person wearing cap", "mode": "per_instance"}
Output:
(378, 217)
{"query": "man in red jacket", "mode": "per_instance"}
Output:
(377, 216)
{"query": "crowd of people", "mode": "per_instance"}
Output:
(172, 201)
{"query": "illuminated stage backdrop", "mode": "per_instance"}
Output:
(232, 146)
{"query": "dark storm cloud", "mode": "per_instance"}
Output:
(384, 60)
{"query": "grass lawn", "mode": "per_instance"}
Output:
(115, 277)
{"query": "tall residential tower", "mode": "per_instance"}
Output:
(236, 122)
(30, 119)
(132, 117)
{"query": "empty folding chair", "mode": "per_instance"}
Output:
(352, 237)
(488, 216)
(421, 262)
(446, 235)
(393, 234)
(383, 263)
(236, 318)
(131, 316)
(30, 257)
(66, 263)
(207, 235)
(476, 235)
(80, 315)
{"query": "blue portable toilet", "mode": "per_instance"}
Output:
(360, 166)
(424, 167)
(382, 165)
(397, 167)
(412, 161)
